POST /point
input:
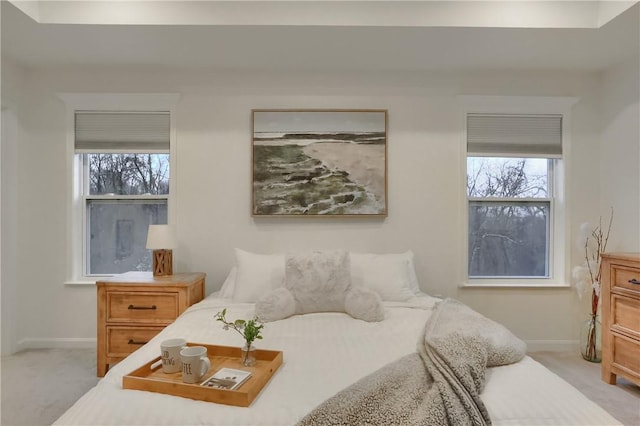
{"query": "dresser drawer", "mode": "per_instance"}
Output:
(625, 315)
(626, 278)
(121, 341)
(626, 355)
(142, 307)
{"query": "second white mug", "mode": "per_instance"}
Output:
(195, 363)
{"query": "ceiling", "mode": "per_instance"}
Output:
(366, 36)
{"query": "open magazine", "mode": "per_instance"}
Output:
(227, 378)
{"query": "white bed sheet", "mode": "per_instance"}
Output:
(323, 353)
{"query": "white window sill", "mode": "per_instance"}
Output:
(80, 282)
(514, 284)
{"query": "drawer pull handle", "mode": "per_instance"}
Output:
(634, 281)
(142, 307)
(133, 342)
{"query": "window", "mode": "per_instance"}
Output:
(514, 185)
(509, 217)
(124, 186)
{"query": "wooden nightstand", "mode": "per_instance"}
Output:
(135, 306)
(620, 297)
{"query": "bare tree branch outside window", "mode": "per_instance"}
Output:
(128, 174)
(509, 214)
(126, 192)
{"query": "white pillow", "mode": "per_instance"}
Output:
(258, 274)
(229, 284)
(392, 275)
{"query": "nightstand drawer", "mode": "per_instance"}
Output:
(626, 354)
(121, 341)
(142, 307)
(627, 278)
(625, 318)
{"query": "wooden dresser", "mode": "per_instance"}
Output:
(621, 317)
(135, 306)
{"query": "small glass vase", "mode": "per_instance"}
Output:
(248, 355)
(590, 339)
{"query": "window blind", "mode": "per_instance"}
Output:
(512, 135)
(101, 131)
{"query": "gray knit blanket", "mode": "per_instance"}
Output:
(440, 384)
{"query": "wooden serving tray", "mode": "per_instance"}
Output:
(267, 362)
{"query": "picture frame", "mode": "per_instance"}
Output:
(319, 162)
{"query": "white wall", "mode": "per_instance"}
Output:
(620, 154)
(213, 187)
(12, 134)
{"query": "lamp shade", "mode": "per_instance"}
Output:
(161, 237)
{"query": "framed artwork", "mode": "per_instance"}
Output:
(319, 163)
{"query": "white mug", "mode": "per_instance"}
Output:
(170, 352)
(195, 363)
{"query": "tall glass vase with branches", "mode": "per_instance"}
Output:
(588, 275)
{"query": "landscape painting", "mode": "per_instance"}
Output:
(319, 162)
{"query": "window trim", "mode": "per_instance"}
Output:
(76, 251)
(559, 249)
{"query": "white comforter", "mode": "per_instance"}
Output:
(323, 353)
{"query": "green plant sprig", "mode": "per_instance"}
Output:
(250, 330)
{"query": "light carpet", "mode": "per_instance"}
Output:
(621, 401)
(38, 386)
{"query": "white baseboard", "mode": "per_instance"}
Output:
(64, 343)
(552, 345)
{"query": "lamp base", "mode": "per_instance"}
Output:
(162, 262)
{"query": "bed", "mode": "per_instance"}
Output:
(324, 353)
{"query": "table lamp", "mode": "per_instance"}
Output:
(162, 239)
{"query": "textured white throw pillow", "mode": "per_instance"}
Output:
(319, 282)
(391, 275)
(257, 275)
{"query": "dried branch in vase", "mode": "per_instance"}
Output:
(594, 243)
